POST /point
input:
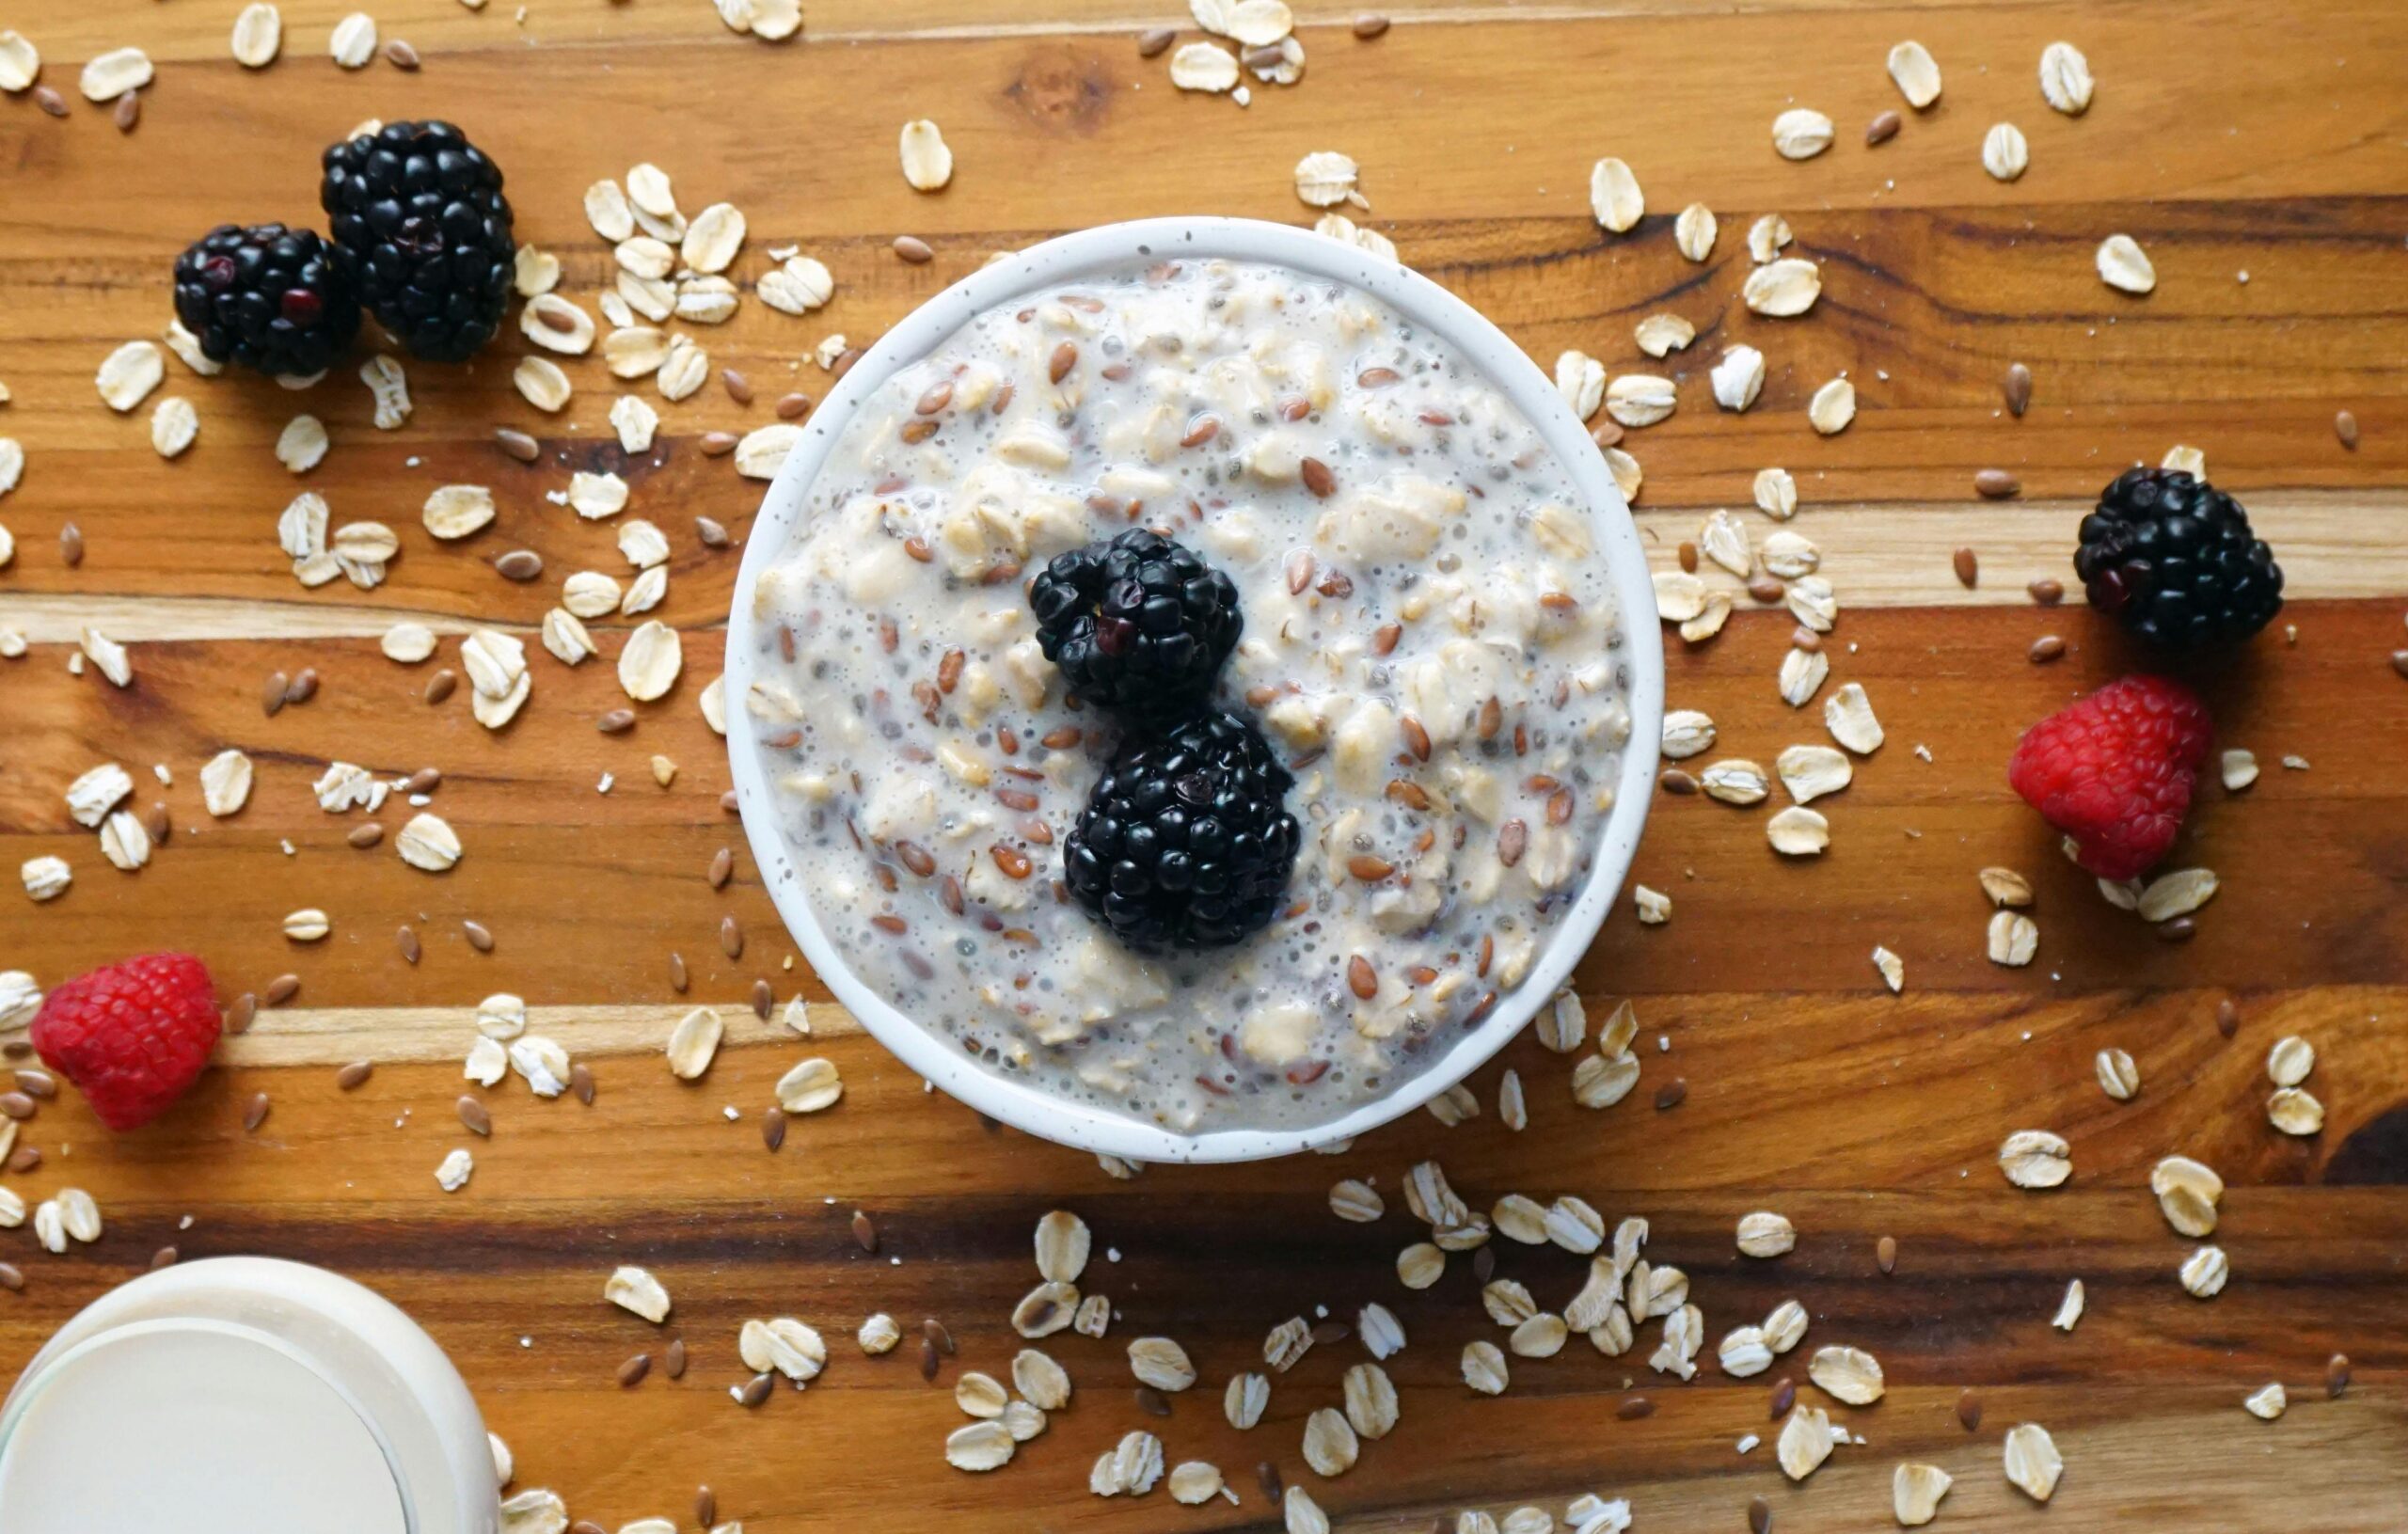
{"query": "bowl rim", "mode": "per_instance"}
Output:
(1116, 246)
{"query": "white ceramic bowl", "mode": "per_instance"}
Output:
(1116, 247)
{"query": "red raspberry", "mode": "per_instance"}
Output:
(133, 1035)
(2114, 772)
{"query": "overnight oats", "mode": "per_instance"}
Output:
(1194, 690)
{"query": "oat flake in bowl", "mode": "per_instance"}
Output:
(1437, 585)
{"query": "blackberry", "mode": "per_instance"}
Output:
(1186, 842)
(2172, 558)
(268, 297)
(1140, 624)
(420, 210)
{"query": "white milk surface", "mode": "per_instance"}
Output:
(194, 1431)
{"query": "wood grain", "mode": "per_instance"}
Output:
(2226, 136)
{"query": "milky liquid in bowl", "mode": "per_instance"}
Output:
(1433, 642)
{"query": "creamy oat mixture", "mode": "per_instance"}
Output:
(1430, 641)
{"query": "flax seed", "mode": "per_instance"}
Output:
(1968, 1411)
(2047, 593)
(2227, 1018)
(354, 1075)
(1688, 554)
(2046, 648)
(1996, 485)
(239, 1015)
(1512, 839)
(723, 866)
(705, 1508)
(473, 1115)
(2018, 388)
(407, 940)
(773, 1126)
(755, 1391)
(1969, 568)
(272, 693)
(912, 249)
(24, 1158)
(166, 1257)
(716, 444)
(366, 835)
(731, 938)
(1632, 1408)
(1675, 781)
(520, 564)
(439, 685)
(631, 1373)
(617, 721)
(763, 998)
(1672, 1093)
(581, 1083)
(254, 1112)
(739, 387)
(1318, 478)
(1767, 590)
(1805, 639)
(673, 1362)
(1156, 41)
(864, 1232)
(1785, 1396)
(71, 546)
(479, 936)
(518, 444)
(1361, 979)
(1759, 1517)
(2337, 1376)
(1151, 1400)
(1885, 1252)
(678, 972)
(281, 990)
(1883, 128)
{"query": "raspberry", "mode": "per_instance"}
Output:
(2114, 772)
(132, 1035)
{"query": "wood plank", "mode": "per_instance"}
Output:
(1886, 554)
(1908, 834)
(553, 1205)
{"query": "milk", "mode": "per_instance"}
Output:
(243, 1396)
(201, 1431)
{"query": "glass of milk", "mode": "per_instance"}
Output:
(238, 1395)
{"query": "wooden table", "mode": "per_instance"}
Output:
(2254, 150)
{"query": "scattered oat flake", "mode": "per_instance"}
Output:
(2069, 1308)
(2065, 78)
(1614, 196)
(2267, 1401)
(1915, 72)
(1782, 288)
(2032, 1463)
(1202, 66)
(1327, 178)
(2123, 265)
(1893, 967)
(1832, 408)
(635, 1290)
(1915, 1490)
(1801, 134)
(927, 160)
